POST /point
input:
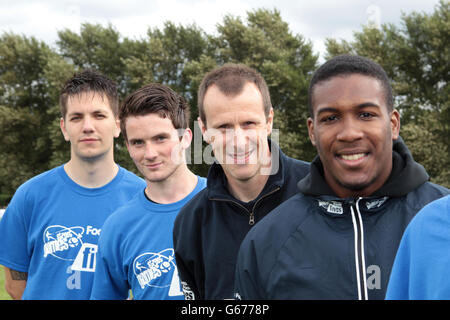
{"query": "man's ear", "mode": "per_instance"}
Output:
(395, 124)
(117, 129)
(310, 124)
(186, 138)
(202, 126)
(270, 122)
(62, 125)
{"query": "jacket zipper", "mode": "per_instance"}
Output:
(251, 220)
(359, 251)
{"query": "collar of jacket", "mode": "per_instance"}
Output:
(406, 175)
(217, 181)
(340, 207)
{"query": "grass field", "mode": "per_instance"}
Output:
(3, 294)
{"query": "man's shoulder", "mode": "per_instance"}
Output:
(267, 239)
(296, 168)
(297, 162)
(129, 176)
(426, 193)
(40, 182)
(194, 210)
(433, 216)
(124, 215)
(284, 219)
(199, 202)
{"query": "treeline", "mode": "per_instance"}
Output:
(415, 55)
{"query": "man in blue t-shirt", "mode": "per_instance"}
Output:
(420, 270)
(136, 247)
(50, 230)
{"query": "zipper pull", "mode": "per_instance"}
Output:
(251, 220)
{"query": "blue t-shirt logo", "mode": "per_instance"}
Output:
(62, 242)
(158, 270)
(151, 269)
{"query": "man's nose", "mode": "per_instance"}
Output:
(88, 125)
(350, 130)
(150, 152)
(239, 136)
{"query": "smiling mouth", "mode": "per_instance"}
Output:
(353, 157)
(240, 158)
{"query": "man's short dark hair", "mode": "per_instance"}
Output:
(345, 65)
(230, 79)
(89, 81)
(155, 98)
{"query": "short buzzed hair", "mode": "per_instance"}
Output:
(230, 79)
(155, 98)
(89, 81)
(344, 65)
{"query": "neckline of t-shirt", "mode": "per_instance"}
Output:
(89, 191)
(155, 207)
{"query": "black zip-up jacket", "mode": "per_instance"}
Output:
(318, 246)
(210, 228)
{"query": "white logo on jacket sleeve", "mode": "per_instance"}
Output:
(158, 270)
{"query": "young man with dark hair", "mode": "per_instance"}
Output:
(135, 247)
(337, 237)
(251, 177)
(49, 232)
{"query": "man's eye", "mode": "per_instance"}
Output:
(137, 142)
(329, 118)
(366, 115)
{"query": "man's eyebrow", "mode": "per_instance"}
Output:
(368, 104)
(135, 140)
(326, 109)
(75, 113)
(359, 106)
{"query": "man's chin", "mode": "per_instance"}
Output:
(91, 157)
(242, 172)
(356, 186)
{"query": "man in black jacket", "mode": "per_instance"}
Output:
(251, 178)
(338, 237)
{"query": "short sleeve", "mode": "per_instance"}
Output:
(14, 249)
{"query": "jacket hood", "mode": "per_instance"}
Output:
(217, 181)
(406, 175)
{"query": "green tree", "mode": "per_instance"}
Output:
(25, 98)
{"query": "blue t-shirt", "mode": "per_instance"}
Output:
(51, 227)
(136, 251)
(420, 270)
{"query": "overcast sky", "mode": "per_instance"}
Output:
(316, 20)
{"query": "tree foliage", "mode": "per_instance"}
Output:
(414, 54)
